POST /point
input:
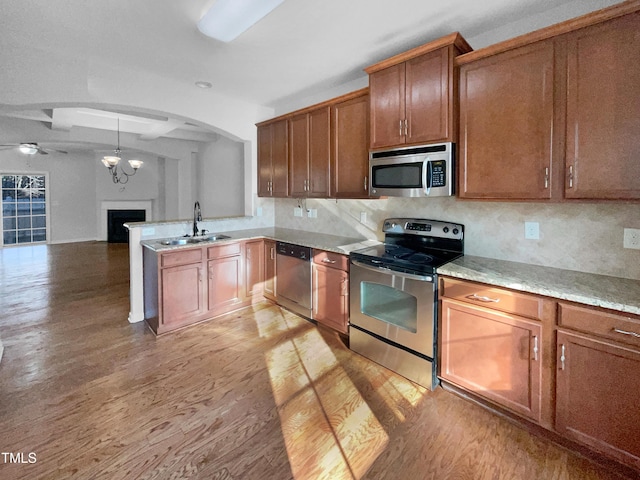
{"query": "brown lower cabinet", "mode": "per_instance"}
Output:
(494, 354)
(269, 289)
(570, 368)
(253, 268)
(598, 381)
(189, 285)
(182, 294)
(224, 278)
(330, 286)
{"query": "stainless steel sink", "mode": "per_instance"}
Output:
(175, 241)
(213, 238)
(188, 240)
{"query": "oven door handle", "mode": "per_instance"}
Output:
(388, 271)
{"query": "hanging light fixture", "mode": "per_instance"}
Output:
(112, 161)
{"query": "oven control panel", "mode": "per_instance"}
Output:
(419, 226)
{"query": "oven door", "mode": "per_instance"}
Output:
(395, 306)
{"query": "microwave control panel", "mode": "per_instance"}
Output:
(438, 174)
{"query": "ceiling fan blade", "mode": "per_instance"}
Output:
(42, 151)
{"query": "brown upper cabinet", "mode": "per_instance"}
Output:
(321, 151)
(350, 147)
(553, 115)
(412, 95)
(507, 124)
(309, 149)
(603, 111)
(273, 167)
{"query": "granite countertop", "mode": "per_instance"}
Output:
(332, 243)
(620, 294)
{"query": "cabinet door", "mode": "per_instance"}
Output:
(299, 155)
(331, 297)
(603, 105)
(492, 354)
(225, 283)
(319, 153)
(270, 269)
(506, 124)
(265, 169)
(387, 90)
(279, 159)
(182, 295)
(350, 148)
(597, 399)
(428, 98)
(253, 267)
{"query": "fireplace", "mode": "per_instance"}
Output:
(116, 233)
(121, 205)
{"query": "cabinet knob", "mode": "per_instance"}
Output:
(562, 357)
(535, 348)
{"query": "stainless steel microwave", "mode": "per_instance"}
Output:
(422, 171)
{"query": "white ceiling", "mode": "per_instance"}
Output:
(302, 48)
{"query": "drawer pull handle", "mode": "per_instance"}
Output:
(562, 357)
(535, 348)
(481, 298)
(624, 332)
(326, 260)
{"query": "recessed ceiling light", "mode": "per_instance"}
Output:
(202, 84)
(227, 19)
(28, 148)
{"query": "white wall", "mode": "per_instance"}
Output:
(72, 191)
(221, 178)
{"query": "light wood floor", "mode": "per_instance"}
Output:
(259, 394)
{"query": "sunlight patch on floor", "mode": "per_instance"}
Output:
(329, 430)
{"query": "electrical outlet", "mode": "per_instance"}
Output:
(632, 238)
(532, 230)
(297, 212)
(259, 212)
(148, 231)
(363, 217)
(312, 213)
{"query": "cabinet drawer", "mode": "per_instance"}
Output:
(619, 327)
(331, 259)
(181, 257)
(227, 250)
(492, 297)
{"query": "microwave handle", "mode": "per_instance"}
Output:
(426, 176)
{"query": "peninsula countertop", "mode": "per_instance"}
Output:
(332, 243)
(621, 294)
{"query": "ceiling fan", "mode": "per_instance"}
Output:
(31, 148)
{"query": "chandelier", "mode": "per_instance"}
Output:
(112, 161)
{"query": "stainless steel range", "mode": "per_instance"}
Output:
(393, 295)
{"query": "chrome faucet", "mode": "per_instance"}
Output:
(197, 217)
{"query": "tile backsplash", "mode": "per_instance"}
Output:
(586, 237)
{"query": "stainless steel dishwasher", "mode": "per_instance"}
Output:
(293, 264)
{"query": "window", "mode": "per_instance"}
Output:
(24, 209)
